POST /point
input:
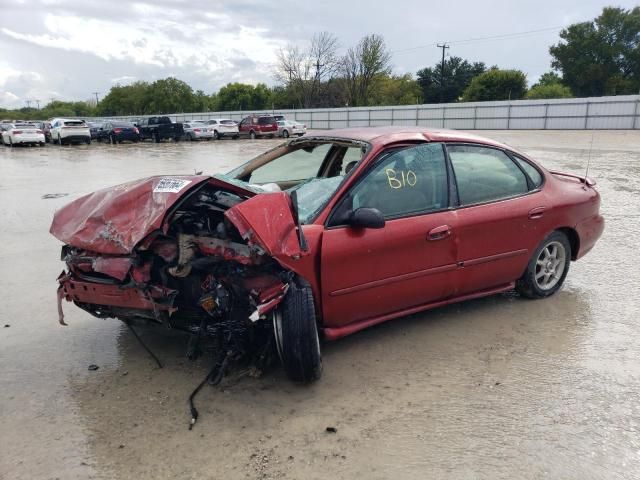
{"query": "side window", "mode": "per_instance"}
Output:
(405, 182)
(300, 165)
(485, 174)
(534, 174)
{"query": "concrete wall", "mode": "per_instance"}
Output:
(613, 113)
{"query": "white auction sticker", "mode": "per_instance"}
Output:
(170, 185)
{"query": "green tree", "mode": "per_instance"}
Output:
(550, 90)
(496, 84)
(125, 100)
(241, 96)
(169, 95)
(395, 90)
(601, 57)
(362, 64)
(548, 78)
(457, 76)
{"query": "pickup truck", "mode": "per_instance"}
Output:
(157, 128)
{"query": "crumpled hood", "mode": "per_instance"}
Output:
(113, 220)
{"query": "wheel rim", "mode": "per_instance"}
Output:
(550, 265)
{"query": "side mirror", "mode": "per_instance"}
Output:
(366, 218)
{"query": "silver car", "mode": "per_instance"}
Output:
(197, 131)
(289, 128)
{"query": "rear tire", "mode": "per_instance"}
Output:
(285, 133)
(547, 268)
(155, 137)
(216, 135)
(296, 334)
(252, 135)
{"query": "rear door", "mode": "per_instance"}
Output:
(368, 273)
(498, 222)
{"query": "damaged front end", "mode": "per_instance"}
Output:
(209, 266)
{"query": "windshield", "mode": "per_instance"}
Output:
(314, 168)
(227, 122)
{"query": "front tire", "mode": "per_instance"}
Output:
(252, 135)
(285, 133)
(296, 334)
(547, 268)
(216, 135)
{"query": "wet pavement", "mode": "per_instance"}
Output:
(495, 388)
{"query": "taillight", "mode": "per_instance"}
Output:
(17, 132)
(117, 130)
(196, 130)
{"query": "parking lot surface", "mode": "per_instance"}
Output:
(500, 387)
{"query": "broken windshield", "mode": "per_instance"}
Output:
(314, 168)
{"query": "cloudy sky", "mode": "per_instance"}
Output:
(67, 49)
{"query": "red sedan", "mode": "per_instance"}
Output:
(326, 235)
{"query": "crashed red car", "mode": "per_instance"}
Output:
(326, 235)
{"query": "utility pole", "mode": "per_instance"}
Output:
(318, 65)
(28, 102)
(96, 94)
(290, 72)
(444, 47)
(38, 103)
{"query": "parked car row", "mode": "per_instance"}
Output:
(64, 131)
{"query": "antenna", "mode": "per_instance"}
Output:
(586, 173)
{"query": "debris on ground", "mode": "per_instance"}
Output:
(331, 430)
(48, 196)
(93, 367)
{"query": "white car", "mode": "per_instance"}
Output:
(288, 128)
(223, 127)
(22, 134)
(197, 131)
(65, 131)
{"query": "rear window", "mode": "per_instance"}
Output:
(266, 120)
(227, 122)
(534, 174)
(75, 123)
(122, 124)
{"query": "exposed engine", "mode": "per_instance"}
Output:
(199, 275)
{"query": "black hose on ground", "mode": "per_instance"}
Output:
(214, 377)
(135, 334)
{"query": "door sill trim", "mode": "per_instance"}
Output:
(333, 333)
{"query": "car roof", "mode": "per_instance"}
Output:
(392, 134)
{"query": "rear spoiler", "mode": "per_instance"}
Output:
(589, 182)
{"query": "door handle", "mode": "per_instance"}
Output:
(537, 212)
(439, 233)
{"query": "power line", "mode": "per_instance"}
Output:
(480, 39)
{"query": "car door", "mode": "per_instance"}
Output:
(369, 273)
(244, 126)
(498, 222)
